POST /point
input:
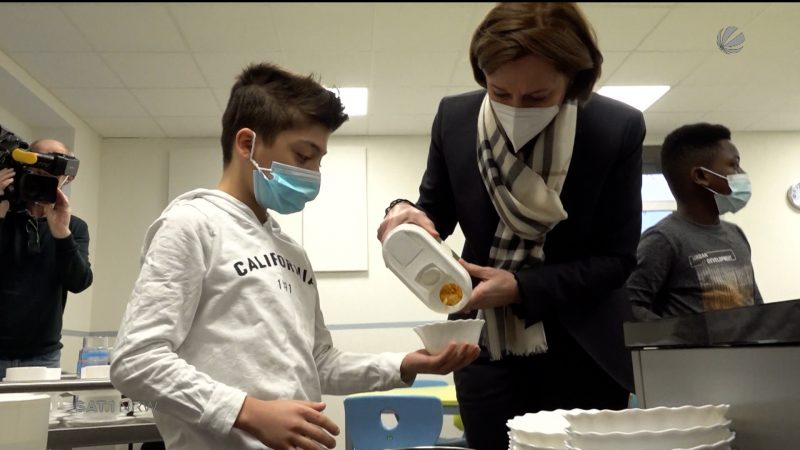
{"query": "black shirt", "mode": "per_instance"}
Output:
(36, 271)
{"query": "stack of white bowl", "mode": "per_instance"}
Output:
(544, 430)
(36, 373)
(661, 428)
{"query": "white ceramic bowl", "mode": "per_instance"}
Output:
(436, 335)
(651, 419)
(24, 421)
(649, 440)
(542, 429)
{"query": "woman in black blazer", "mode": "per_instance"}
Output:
(544, 179)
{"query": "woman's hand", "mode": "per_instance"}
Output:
(497, 287)
(405, 213)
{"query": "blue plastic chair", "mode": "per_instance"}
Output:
(443, 441)
(419, 421)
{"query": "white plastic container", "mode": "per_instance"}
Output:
(428, 267)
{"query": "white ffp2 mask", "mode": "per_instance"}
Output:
(523, 124)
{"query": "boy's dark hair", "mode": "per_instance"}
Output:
(270, 100)
(689, 146)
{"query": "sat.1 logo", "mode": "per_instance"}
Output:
(727, 42)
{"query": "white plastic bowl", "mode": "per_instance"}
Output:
(649, 440)
(721, 445)
(26, 373)
(23, 421)
(436, 335)
(98, 372)
(651, 419)
(513, 445)
(542, 429)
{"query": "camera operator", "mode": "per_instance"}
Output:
(45, 253)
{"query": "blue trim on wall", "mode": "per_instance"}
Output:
(78, 333)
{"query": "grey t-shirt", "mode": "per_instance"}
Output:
(685, 268)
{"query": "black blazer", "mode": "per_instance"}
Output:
(589, 255)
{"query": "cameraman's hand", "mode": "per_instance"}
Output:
(287, 424)
(58, 215)
(6, 178)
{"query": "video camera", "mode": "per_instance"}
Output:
(28, 186)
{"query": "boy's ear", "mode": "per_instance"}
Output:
(700, 176)
(242, 143)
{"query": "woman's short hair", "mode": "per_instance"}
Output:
(557, 32)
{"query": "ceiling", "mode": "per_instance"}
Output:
(165, 69)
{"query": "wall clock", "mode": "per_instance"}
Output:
(794, 195)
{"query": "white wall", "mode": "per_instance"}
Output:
(134, 191)
(773, 227)
(15, 125)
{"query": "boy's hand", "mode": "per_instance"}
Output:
(287, 424)
(454, 357)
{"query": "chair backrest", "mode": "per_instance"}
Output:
(425, 382)
(419, 421)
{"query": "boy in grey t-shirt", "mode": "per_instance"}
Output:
(691, 261)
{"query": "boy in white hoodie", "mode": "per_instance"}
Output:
(223, 331)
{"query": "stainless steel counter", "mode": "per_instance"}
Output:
(8, 387)
(61, 436)
(747, 357)
(64, 437)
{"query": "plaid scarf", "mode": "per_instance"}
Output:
(525, 191)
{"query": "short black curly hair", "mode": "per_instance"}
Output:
(688, 146)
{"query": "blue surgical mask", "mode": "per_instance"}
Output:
(739, 184)
(289, 188)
